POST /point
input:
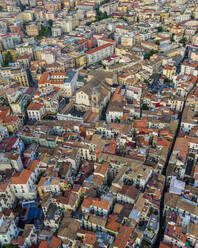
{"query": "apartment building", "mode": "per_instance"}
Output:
(6, 41)
(96, 54)
(7, 197)
(189, 68)
(32, 29)
(8, 230)
(23, 185)
(35, 111)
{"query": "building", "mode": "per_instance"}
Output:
(6, 41)
(169, 71)
(18, 99)
(97, 54)
(32, 29)
(35, 111)
(23, 185)
(21, 77)
(12, 123)
(7, 197)
(8, 230)
(94, 95)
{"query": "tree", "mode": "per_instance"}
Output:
(104, 2)
(1, 8)
(22, 7)
(100, 15)
(149, 53)
(145, 106)
(8, 58)
(172, 38)
(123, 18)
(168, 81)
(157, 42)
(159, 29)
(50, 22)
(192, 17)
(183, 41)
(155, 75)
(44, 32)
(10, 246)
(147, 82)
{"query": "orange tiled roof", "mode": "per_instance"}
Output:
(22, 178)
(10, 119)
(139, 124)
(103, 204)
(98, 48)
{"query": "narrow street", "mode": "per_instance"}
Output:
(162, 217)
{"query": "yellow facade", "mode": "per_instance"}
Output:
(21, 78)
(164, 16)
(168, 73)
(27, 16)
(122, 9)
(32, 30)
(80, 60)
(13, 126)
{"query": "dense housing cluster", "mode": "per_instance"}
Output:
(98, 123)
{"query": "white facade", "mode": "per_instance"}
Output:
(3, 132)
(37, 113)
(189, 69)
(8, 198)
(7, 41)
(113, 116)
(8, 230)
(49, 57)
(99, 53)
(23, 186)
(70, 82)
(82, 99)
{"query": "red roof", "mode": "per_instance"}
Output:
(98, 48)
(10, 119)
(22, 178)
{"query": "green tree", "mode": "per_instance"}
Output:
(8, 58)
(147, 82)
(172, 38)
(159, 29)
(100, 15)
(157, 42)
(10, 246)
(145, 106)
(168, 81)
(50, 22)
(22, 7)
(192, 17)
(123, 18)
(44, 32)
(183, 41)
(149, 53)
(104, 2)
(155, 75)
